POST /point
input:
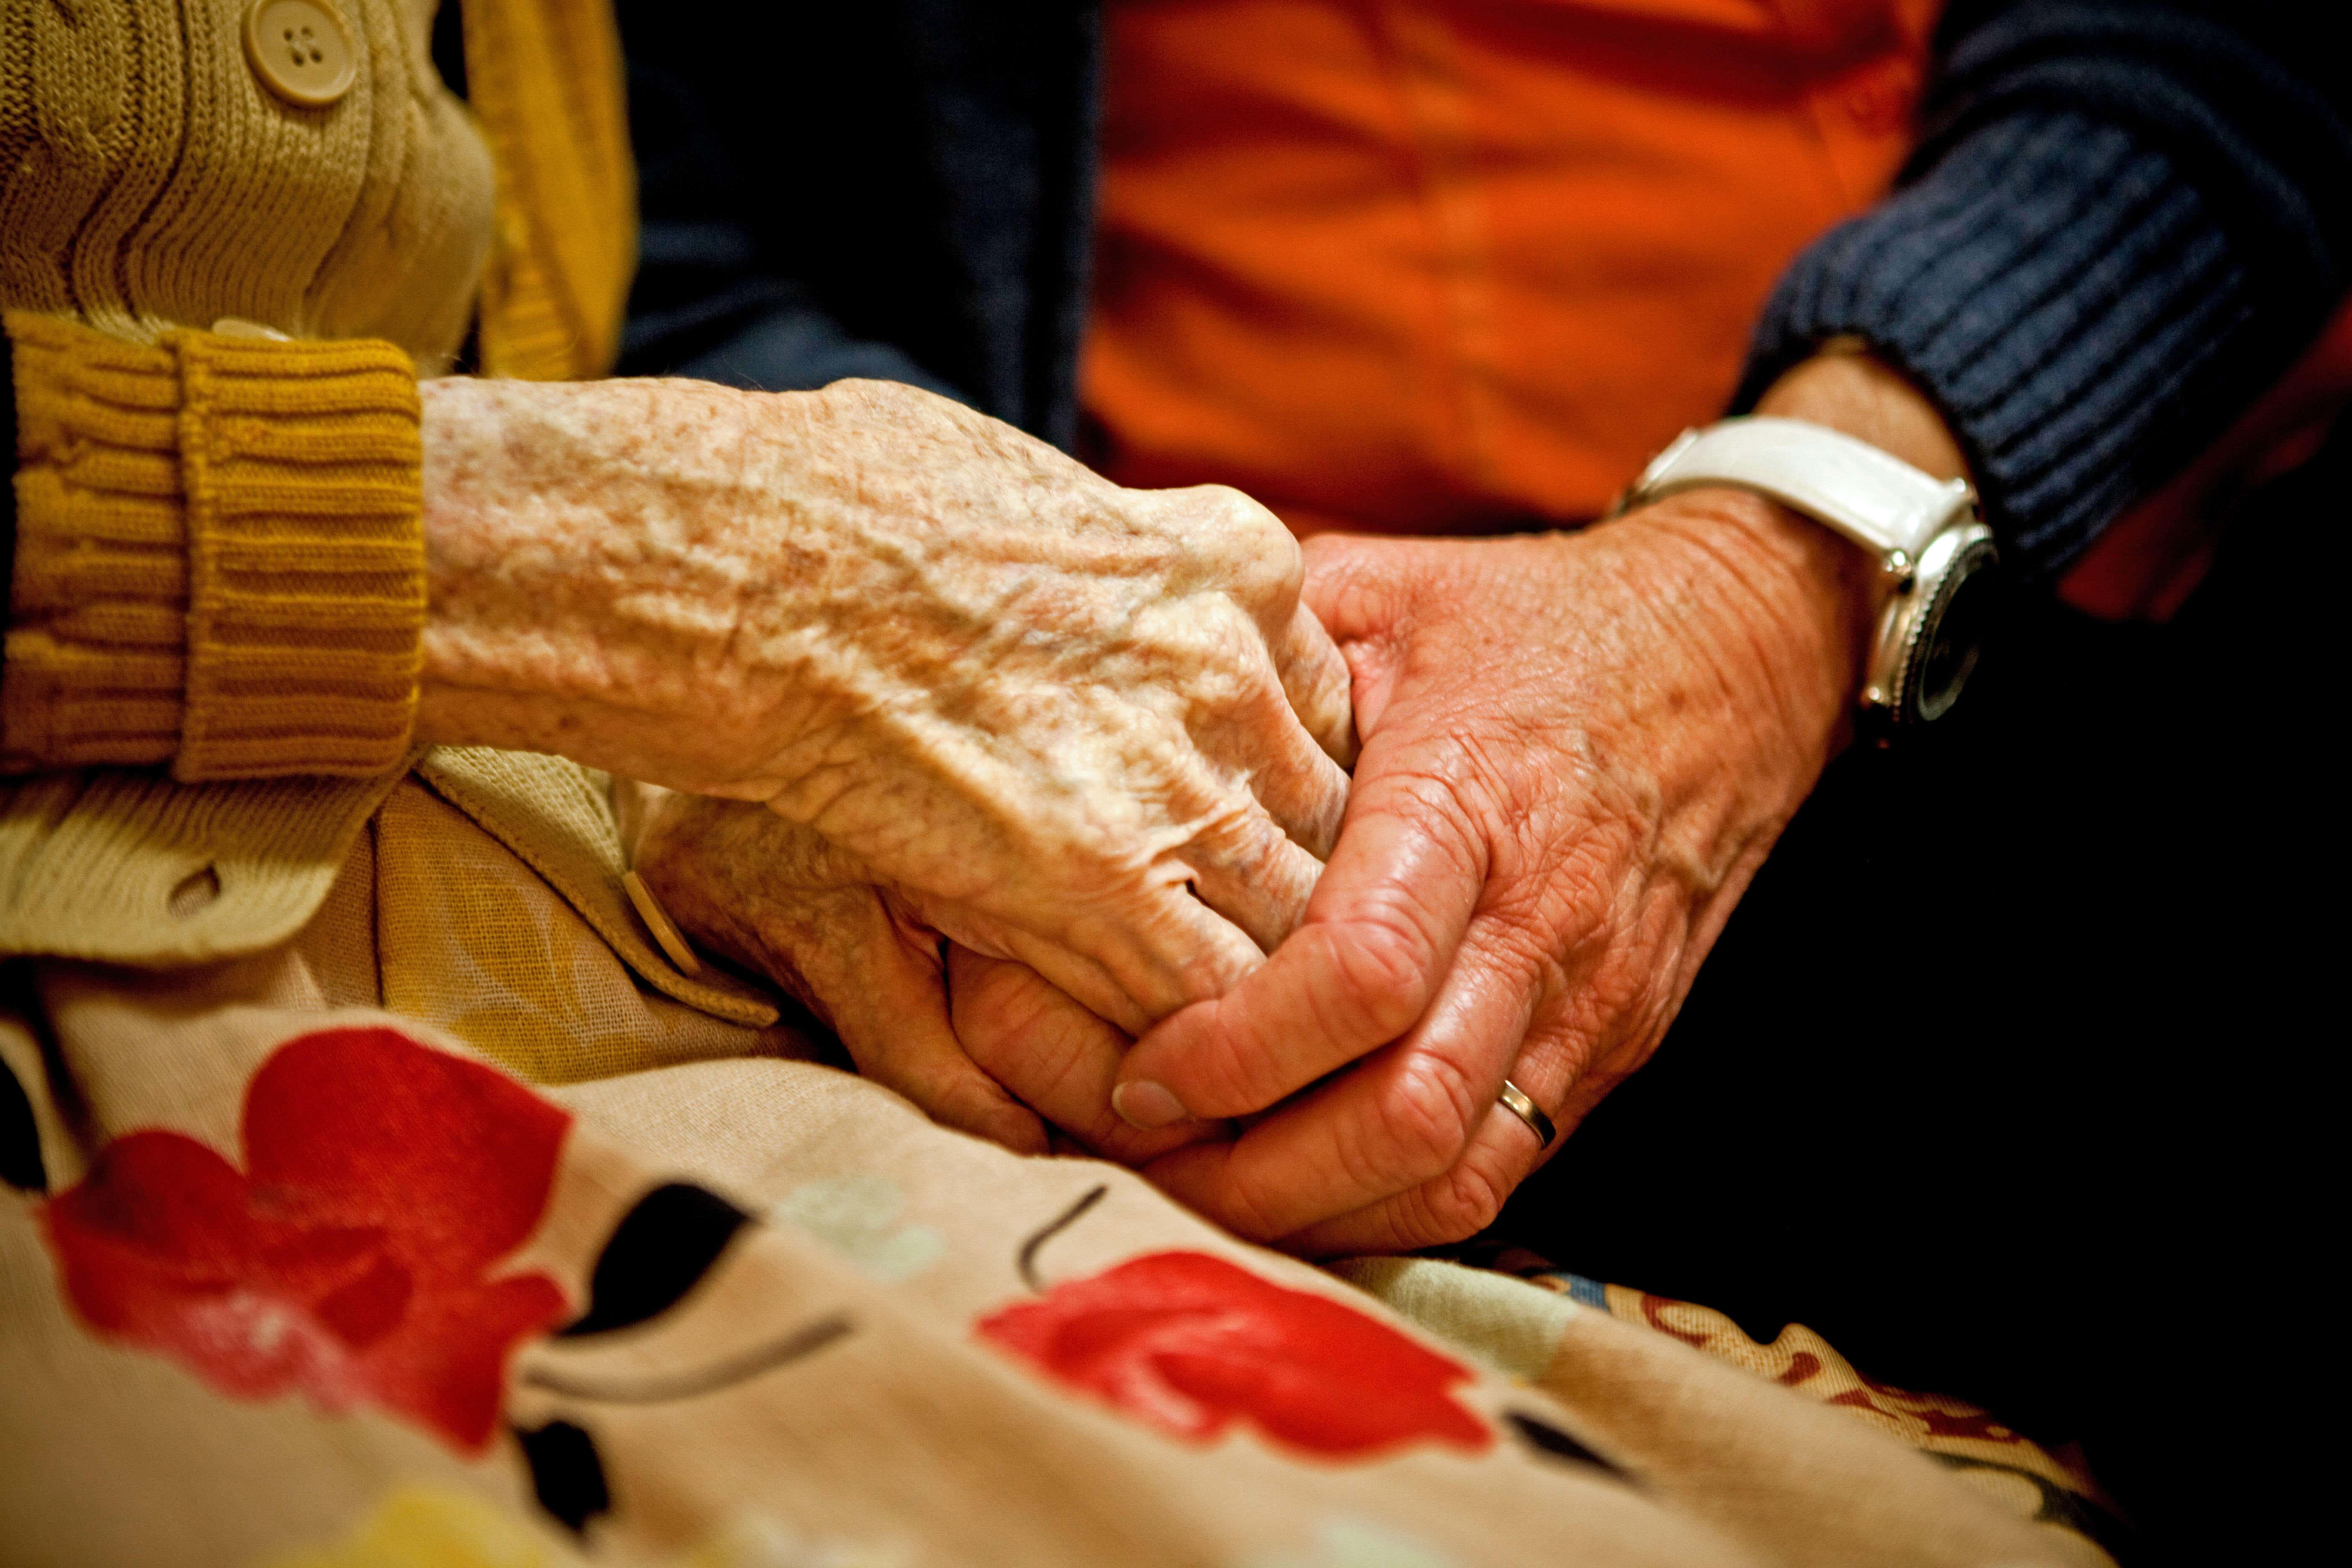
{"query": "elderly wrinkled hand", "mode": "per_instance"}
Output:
(1089, 728)
(779, 899)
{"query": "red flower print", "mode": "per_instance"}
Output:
(382, 1181)
(1188, 1342)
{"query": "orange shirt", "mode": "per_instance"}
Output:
(1421, 265)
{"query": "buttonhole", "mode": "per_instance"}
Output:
(194, 894)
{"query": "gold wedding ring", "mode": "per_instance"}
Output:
(1514, 1100)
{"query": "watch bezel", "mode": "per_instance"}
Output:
(1891, 694)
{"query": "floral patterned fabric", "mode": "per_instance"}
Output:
(1189, 1343)
(297, 1279)
(349, 1259)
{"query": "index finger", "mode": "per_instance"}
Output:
(1256, 558)
(1381, 930)
(1316, 679)
(1385, 1127)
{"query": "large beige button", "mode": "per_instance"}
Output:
(299, 50)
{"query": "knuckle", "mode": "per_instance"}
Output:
(1251, 1208)
(1257, 549)
(1529, 950)
(962, 1097)
(1447, 807)
(1368, 1164)
(1236, 833)
(999, 1008)
(854, 393)
(1381, 960)
(1464, 1201)
(1453, 1206)
(1422, 1122)
(1408, 1223)
(1411, 1222)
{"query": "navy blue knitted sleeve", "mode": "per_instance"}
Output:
(2124, 223)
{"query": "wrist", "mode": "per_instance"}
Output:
(586, 571)
(1789, 600)
(1864, 396)
(476, 686)
(1804, 570)
(481, 681)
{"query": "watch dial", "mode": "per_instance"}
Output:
(1958, 620)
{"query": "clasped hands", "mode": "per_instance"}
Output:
(1031, 786)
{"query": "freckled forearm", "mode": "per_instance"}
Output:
(537, 512)
(585, 562)
(607, 558)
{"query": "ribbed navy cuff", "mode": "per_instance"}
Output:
(2070, 300)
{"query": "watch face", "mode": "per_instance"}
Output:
(1958, 620)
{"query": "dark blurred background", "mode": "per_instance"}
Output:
(2068, 1158)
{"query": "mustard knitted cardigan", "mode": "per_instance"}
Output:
(218, 302)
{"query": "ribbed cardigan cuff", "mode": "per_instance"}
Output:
(220, 557)
(2062, 293)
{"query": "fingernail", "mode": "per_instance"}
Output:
(1147, 1105)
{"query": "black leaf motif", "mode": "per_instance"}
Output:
(2060, 1506)
(658, 1388)
(1549, 1439)
(659, 1252)
(566, 1473)
(1026, 1260)
(20, 1138)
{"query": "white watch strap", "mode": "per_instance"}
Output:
(1873, 498)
